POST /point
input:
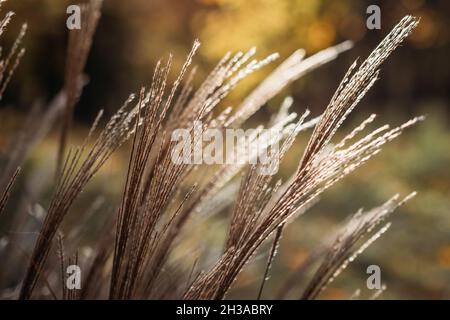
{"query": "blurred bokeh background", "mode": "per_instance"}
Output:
(414, 255)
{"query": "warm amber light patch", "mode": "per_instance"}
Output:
(443, 256)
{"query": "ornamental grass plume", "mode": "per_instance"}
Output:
(158, 199)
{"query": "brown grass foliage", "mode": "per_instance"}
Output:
(157, 200)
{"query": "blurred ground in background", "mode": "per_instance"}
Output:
(414, 255)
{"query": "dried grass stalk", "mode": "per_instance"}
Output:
(321, 166)
(155, 205)
(80, 42)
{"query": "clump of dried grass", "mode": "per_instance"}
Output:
(155, 206)
(322, 165)
(80, 42)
